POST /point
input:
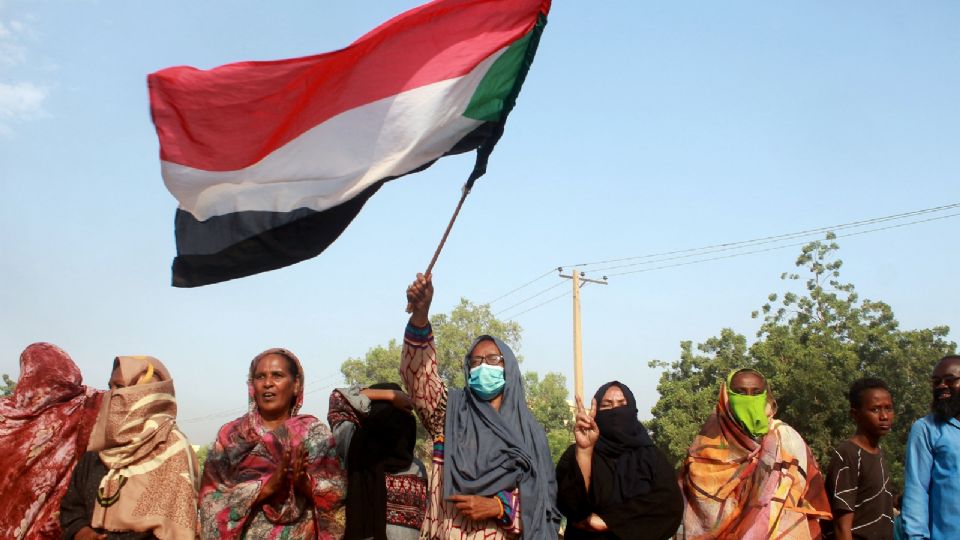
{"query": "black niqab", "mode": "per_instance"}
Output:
(625, 441)
(633, 487)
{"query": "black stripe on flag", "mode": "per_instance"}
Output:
(241, 244)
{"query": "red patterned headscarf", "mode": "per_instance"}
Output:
(244, 457)
(44, 429)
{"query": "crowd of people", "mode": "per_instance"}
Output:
(84, 464)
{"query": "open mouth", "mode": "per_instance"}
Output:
(267, 396)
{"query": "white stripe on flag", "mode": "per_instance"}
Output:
(336, 160)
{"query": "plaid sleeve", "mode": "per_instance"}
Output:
(341, 409)
(418, 369)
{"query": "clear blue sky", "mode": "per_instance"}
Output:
(643, 127)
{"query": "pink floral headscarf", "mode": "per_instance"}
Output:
(252, 428)
(245, 456)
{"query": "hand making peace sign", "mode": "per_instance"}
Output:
(585, 430)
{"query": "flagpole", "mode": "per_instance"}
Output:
(443, 240)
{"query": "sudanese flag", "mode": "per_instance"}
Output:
(270, 161)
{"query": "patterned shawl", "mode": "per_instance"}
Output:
(738, 488)
(152, 473)
(44, 428)
(242, 460)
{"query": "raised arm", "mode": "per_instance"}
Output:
(418, 367)
(586, 433)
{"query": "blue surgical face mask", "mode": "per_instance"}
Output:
(486, 381)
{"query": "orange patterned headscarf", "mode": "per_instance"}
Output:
(736, 487)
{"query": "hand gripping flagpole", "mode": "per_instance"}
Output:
(479, 169)
(446, 233)
(496, 127)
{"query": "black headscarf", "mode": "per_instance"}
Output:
(633, 487)
(625, 441)
(486, 451)
(382, 444)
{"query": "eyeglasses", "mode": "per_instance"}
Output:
(949, 380)
(490, 360)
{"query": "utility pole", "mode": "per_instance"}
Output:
(578, 281)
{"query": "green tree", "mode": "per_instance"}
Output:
(814, 340)
(687, 389)
(202, 456)
(378, 365)
(9, 385)
(454, 332)
(547, 399)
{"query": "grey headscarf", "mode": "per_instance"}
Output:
(486, 451)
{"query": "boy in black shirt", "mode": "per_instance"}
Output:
(858, 476)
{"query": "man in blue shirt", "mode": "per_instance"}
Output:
(931, 497)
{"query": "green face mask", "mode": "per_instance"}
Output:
(751, 411)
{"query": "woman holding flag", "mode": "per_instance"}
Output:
(492, 476)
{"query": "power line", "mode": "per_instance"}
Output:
(773, 238)
(732, 255)
(898, 225)
(527, 284)
(316, 381)
(768, 249)
(545, 302)
(795, 244)
(655, 258)
(525, 300)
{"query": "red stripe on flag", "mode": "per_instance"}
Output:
(232, 116)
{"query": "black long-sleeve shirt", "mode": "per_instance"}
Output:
(655, 515)
(76, 507)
